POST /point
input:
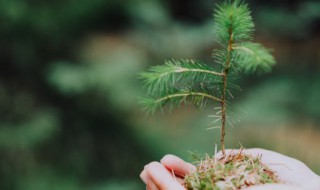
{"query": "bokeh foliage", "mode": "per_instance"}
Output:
(69, 88)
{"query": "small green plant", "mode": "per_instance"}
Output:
(192, 82)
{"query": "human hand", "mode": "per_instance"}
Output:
(294, 174)
(166, 175)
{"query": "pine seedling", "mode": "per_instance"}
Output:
(193, 82)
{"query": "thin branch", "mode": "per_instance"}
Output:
(215, 127)
(184, 70)
(187, 94)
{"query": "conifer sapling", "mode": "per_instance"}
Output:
(193, 82)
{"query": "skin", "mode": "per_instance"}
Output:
(168, 174)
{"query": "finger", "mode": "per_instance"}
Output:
(144, 177)
(151, 186)
(160, 176)
(177, 165)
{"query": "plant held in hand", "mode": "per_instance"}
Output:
(192, 82)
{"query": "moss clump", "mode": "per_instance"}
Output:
(232, 172)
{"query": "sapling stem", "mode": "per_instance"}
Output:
(224, 90)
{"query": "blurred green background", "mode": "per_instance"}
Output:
(69, 88)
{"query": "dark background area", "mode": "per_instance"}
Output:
(69, 117)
